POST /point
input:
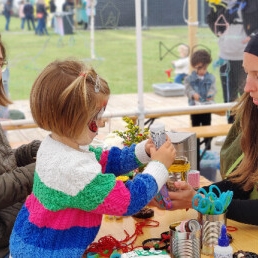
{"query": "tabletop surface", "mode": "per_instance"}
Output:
(244, 238)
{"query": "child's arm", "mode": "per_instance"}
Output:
(121, 161)
(180, 63)
(190, 92)
(213, 90)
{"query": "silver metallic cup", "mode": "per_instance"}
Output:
(185, 244)
(211, 228)
(158, 134)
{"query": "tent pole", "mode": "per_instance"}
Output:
(192, 24)
(92, 28)
(139, 62)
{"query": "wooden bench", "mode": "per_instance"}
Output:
(150, 115)
(18, 124)
(207, 130)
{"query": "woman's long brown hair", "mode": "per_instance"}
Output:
(246, 174)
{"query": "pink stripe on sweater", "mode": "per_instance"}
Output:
(103, 160)
(63, 219)
(117, 202)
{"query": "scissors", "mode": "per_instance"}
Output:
(212, 202)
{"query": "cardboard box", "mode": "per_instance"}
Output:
(169, 89)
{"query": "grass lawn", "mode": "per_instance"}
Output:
(115, 52)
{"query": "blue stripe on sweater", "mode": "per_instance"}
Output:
(121, 161)
(143, 188)
(29, 251)
(47, 238)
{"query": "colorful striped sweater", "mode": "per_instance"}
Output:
(73, 189)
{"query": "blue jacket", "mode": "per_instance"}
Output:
(7, 10)
(206, 88)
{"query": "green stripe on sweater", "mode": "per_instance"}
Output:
(87, 199)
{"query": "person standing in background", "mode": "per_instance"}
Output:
(41, 11)
(21, 13)
(82, 17)
(200, 88)
(29, 15)
(7, 13)
(52, 10)
(181, 66)
(233, 23)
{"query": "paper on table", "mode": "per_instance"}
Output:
(133, 254)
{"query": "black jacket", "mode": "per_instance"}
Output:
(241, 208)
(28, 10)
(16, 179)
(249, 13)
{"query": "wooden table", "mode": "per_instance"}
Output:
(245, 238)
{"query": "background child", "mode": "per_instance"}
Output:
(200, 88)
(75, 183)
(181, 66)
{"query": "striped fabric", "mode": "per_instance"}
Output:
(72, 190)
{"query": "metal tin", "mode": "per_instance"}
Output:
(192, 225)
(211, 228)
(158, 134)
(177, 172)
(185, 244)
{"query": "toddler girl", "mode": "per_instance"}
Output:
(75, 183)
(181, 65)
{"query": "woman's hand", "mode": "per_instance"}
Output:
(181, 199)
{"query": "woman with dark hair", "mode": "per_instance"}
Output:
(16, 172)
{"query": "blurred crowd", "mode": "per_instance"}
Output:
(40, 16)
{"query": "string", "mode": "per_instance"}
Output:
(107, 244)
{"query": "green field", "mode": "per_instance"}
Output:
(115, 54)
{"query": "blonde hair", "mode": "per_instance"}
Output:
(66, 96)
(183, 50)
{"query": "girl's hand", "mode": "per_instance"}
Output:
(165, 154)
(149, 144)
